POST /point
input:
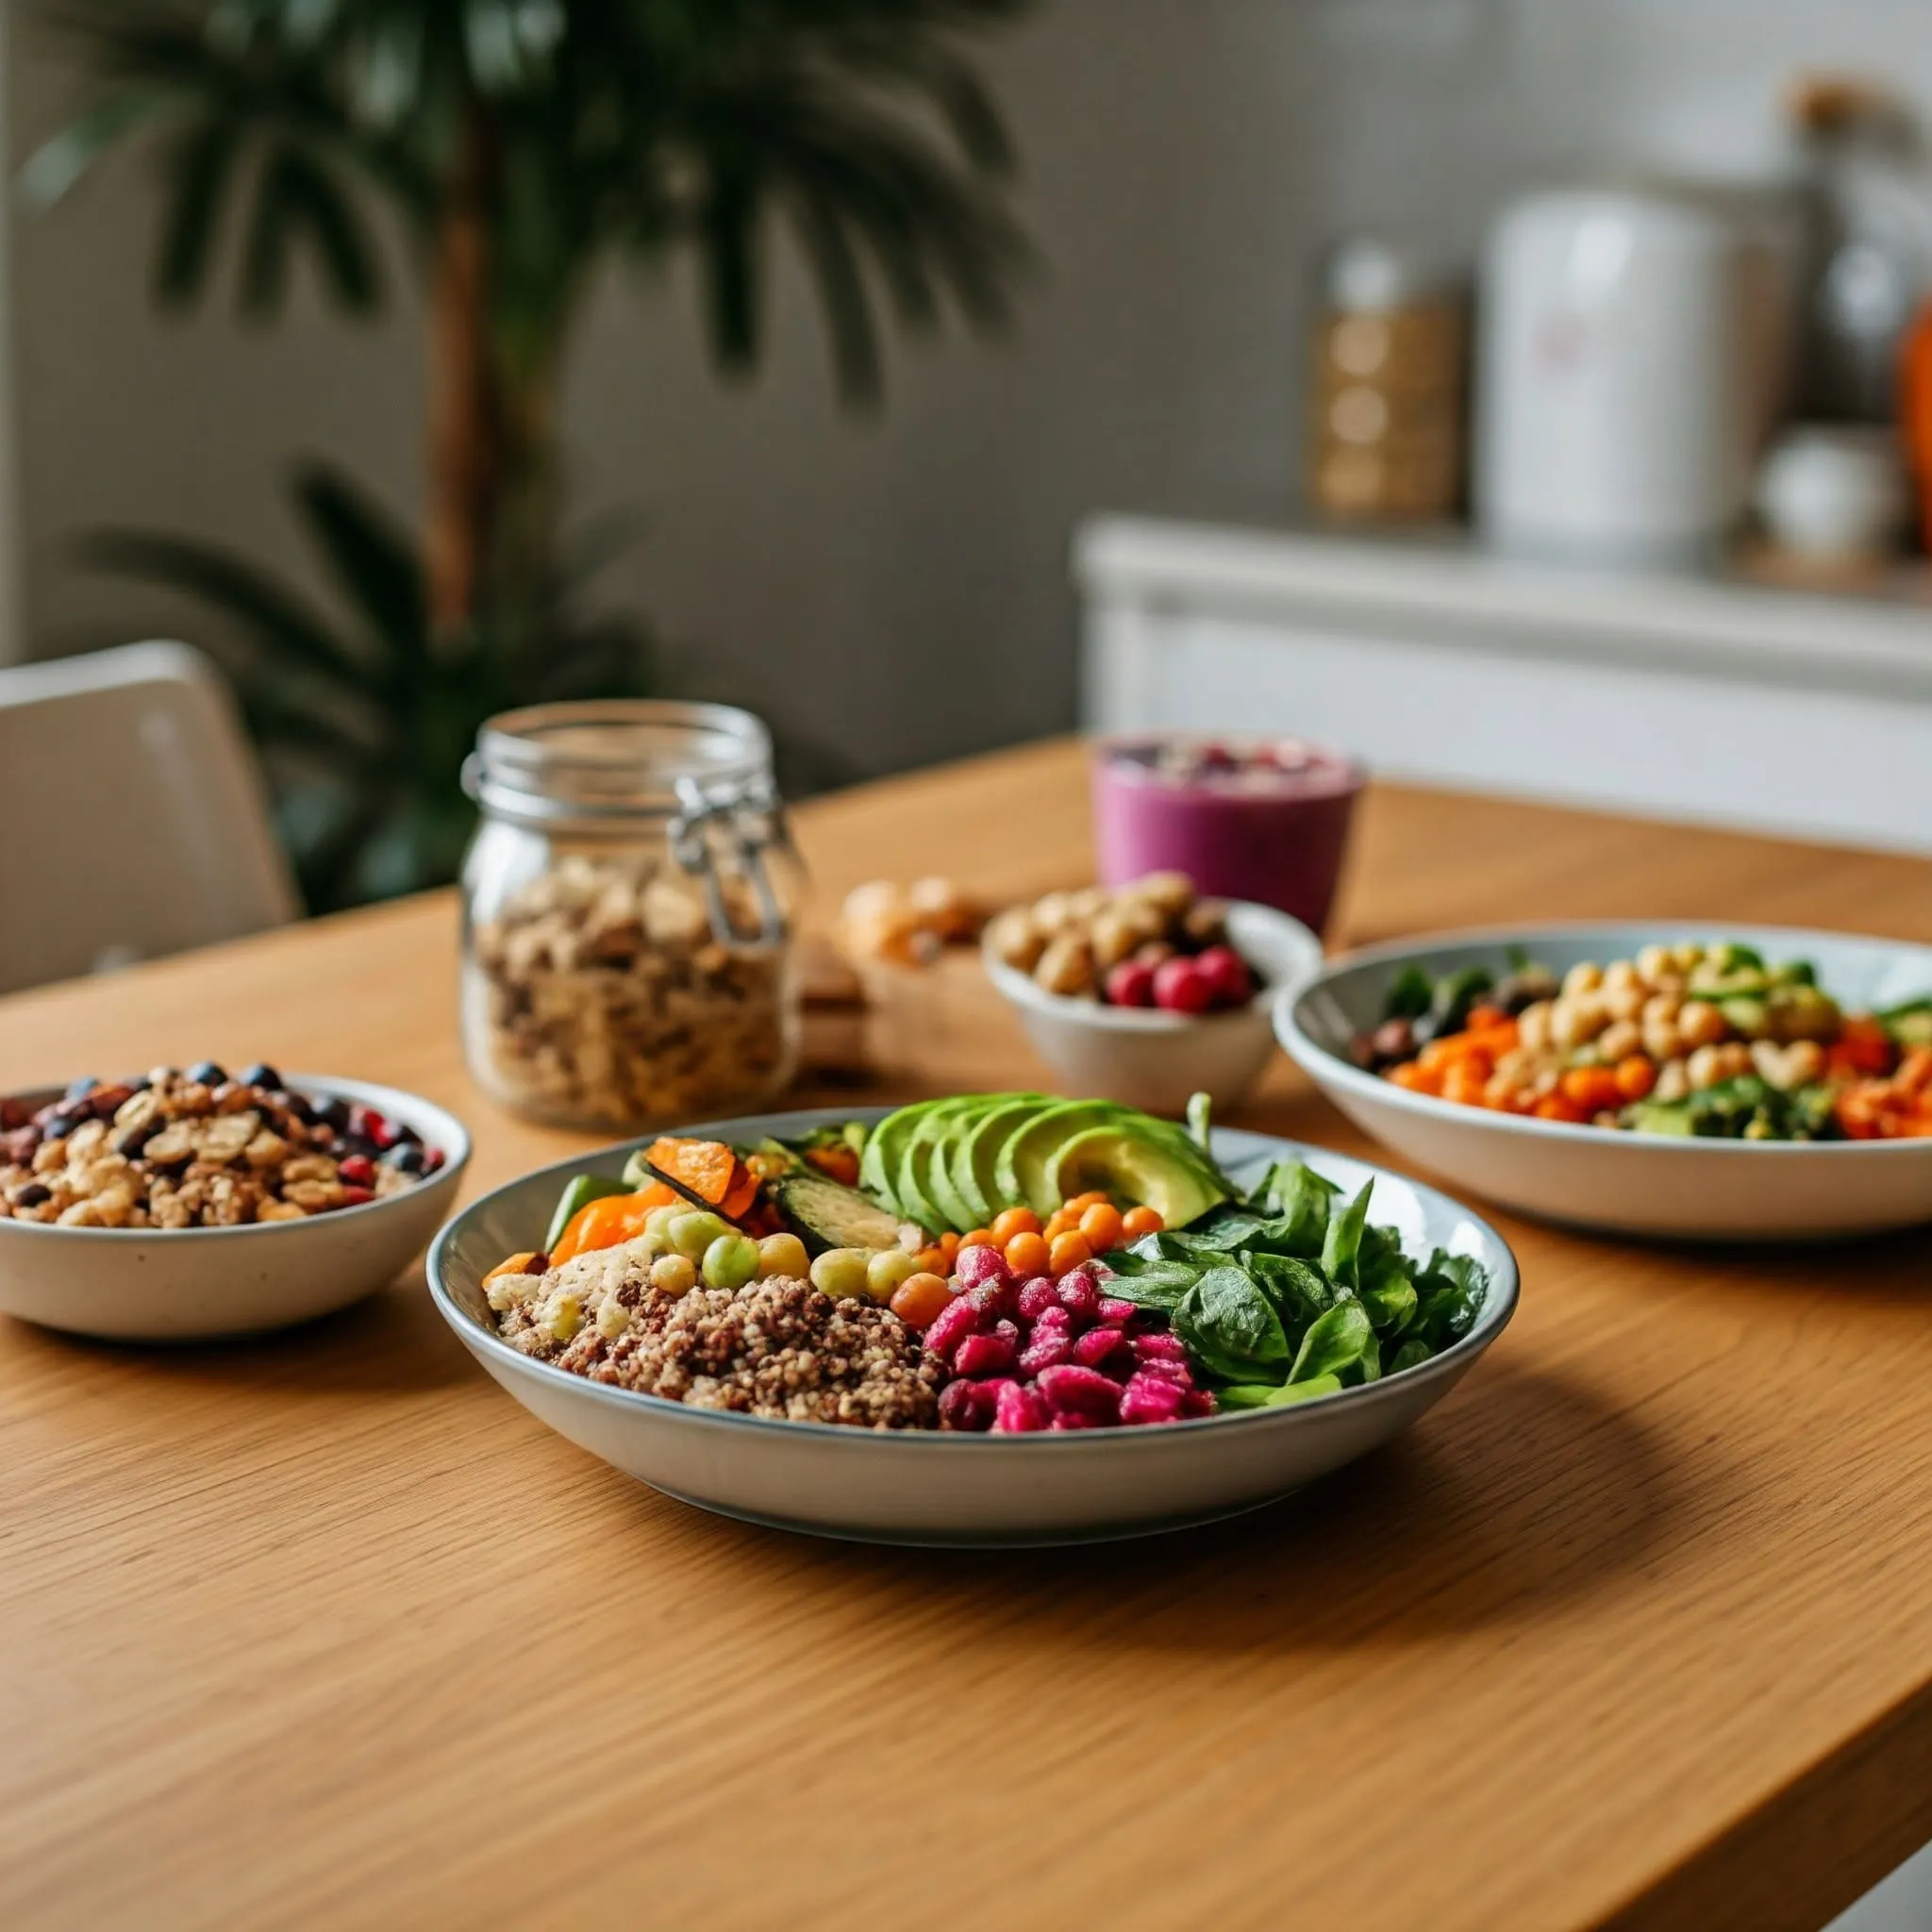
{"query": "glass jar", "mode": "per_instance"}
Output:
(630, 903)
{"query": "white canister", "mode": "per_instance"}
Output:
(1634, 348)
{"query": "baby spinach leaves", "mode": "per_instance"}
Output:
(1285, 1295)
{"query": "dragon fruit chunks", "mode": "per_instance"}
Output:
(1039, 1355)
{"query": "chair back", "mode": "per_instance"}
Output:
(136, 819)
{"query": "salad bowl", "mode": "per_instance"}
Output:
(933, 1488)
(1621, 1182)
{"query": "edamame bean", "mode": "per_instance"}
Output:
(730, 1261)
(692, 1234)
(887, 1271)
(783, 1255)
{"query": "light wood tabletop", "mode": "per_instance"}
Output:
(1635, 1629)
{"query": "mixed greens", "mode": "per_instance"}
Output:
(1289, 1292)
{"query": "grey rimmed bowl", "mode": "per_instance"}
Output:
(200, 1284)
(919, 1487)
(1598, 1178)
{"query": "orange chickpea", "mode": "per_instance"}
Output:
(931, 1261)
(1636, 1076)
(1138, 1221)
(1027, 1255)
(949, 1245)
(979, 1238)
(1014, 1221)
(1061, 1220)
(1101, 1226)
(1066, 1254)
(918, 1299)
(1095, 1197)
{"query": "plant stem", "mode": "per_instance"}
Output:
(466, 451)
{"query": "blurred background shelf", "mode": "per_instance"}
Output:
(1715, 698)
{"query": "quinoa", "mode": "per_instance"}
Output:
(777, 1348)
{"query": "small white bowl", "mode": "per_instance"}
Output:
(194, 1284)
(1149, 1058)
(1598, 1178)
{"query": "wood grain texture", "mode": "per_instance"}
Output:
(1635, 1629)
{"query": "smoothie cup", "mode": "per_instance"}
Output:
(1244, 818)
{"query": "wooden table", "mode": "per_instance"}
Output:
(1636, 1629)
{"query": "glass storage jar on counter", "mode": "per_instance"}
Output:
(629, 905)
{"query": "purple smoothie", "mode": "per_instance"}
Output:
(1260, 819)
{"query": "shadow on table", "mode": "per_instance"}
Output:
(1529, 1491)
(389, 1342)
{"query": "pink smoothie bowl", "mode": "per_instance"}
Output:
(1265, 820)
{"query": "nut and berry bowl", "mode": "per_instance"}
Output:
(184, 1206)
(1145, 994)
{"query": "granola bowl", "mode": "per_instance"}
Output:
(200, 1284)
(926, 1486)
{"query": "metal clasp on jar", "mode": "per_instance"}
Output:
(748, 821)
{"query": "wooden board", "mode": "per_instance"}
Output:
(1635, 1629)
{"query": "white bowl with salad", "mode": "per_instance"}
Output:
(1733, 1083)
(986, 1318)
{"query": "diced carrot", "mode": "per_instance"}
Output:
(1463, 1082)
(1864, 1047)
(840, 1163)
(1636, 1076)
(1416, 1078)
(1591, 1089)
(1914, 1073)
(1558, 1107)
(517, 1264)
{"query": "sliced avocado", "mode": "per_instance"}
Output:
(829, 1215)
(879, 1164)
(976, 1153)
(1022, 1172)
(1135, 1170)
(954, 1133)
(912, 1179)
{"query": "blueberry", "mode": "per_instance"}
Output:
(81, 1088)
(406, 1157)
(403, 1132)
(333, 1112)
(33, 1195)
(139, 1084)
(207, 1073)
(262, 1076)
(300, 1106)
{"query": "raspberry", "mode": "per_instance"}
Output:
(1150, 1399)
(1103, 1349)
(1080, 1295)
(1080, 1391)
(1037, 1296)
(1165, 1347)
(951, 1325)
(980, 1267)
(1113, 1310)
(985, 1354)
(1020, 1410)
(1048, 1348)
(961, 1407)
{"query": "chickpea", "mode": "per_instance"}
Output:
(1704, 1068)
(1701, 1023)
(1673, 1080)
(1499, 1090)
(1803, 1062)
(1087, 903)
(1066, 967)
(1662, 1009)
(1576, 1018)
(1621, 975)
(1545, 1083)
(1619, 1040)
(1687, 959)
(1533, 1027)
(1585, 976)
(1624, 1001)
(1653, 963)
(1662, 1042)
(1734, 1059)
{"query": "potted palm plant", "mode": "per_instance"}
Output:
(516, 145)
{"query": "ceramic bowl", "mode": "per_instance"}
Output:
(1154, 1059)
(917, 1487)
(1594, 1177)
(195, 1284)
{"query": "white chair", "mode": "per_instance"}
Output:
(135, 817)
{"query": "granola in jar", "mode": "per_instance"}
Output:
(628, 953)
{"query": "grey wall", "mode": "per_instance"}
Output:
(894, 590)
